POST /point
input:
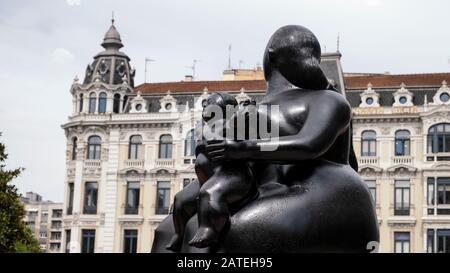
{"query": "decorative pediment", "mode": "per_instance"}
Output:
(403, 97)
(369, 170)
(138, 104)
(163, 171)
(132, 172)
(401, 169)
(199, 102)
(242, 96)
(369, 98)
(441, 165)
(442, 96)
(168, 103)
(437, 115)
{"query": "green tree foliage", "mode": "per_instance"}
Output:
(15, 236)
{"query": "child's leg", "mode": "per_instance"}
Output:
(204, 168)
(184, 207)
(231, 183)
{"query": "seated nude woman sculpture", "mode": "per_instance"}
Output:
(309, 197)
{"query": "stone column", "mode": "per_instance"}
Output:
(110, 192)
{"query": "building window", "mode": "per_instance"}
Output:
(132, 202)
(443, 191)
(94, 147)
(402, 242)
(438, 193)
(430, 241)
(125, 100)
(443, 240)
(402, 196)
(92, 102)
(430, 191)
(68, 234)
(439, 138)
(116, 104)
(81, 103)
(186, 182)
(90, 198)
(368, 143)
(56, 213)
(56, 225)
(444, 97)
(165, 146)
(130, 240)
(102, 102)
(88, 241)
(70, 199)
(373, 189)
(402, 143)
(74, 148)
(134, 147)
(189, 144)
(163, 198)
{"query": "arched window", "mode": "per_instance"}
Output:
(125, 99)
(368, 143)
(402, 143)
(74, 148)
(439, 138)
(189, 144)
(94, 147)
(92, 100)
(81, 103)
(102, 102)
(134, 147)
(165, 146)
(116, 103)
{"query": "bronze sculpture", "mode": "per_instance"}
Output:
(309, 197)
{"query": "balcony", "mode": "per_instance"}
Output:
(406, 160)
(165, 162)
(137, 117)
(134, 163)
(368, 160)
(92, 163)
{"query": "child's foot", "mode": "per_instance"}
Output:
(204, 238)
(175, 243)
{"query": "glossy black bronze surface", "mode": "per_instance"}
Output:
(309, 197)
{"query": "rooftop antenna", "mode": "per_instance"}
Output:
(229, 56)
(338, 42)
(147, 61)
(240, 63)
(193, 67)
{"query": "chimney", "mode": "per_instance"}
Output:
(188, 78)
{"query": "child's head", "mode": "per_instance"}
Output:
(220, 99)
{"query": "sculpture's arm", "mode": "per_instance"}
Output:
(329, 117)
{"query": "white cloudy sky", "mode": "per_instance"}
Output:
(45, 43)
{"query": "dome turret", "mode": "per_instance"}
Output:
(111, 66)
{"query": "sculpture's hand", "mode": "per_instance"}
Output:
(225, 150)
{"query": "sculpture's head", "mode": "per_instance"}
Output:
(295, 52)
(220, 99)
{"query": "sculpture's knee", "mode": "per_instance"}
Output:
(177, 203)
(203, 168)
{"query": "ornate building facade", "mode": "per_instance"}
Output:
(130, 149)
